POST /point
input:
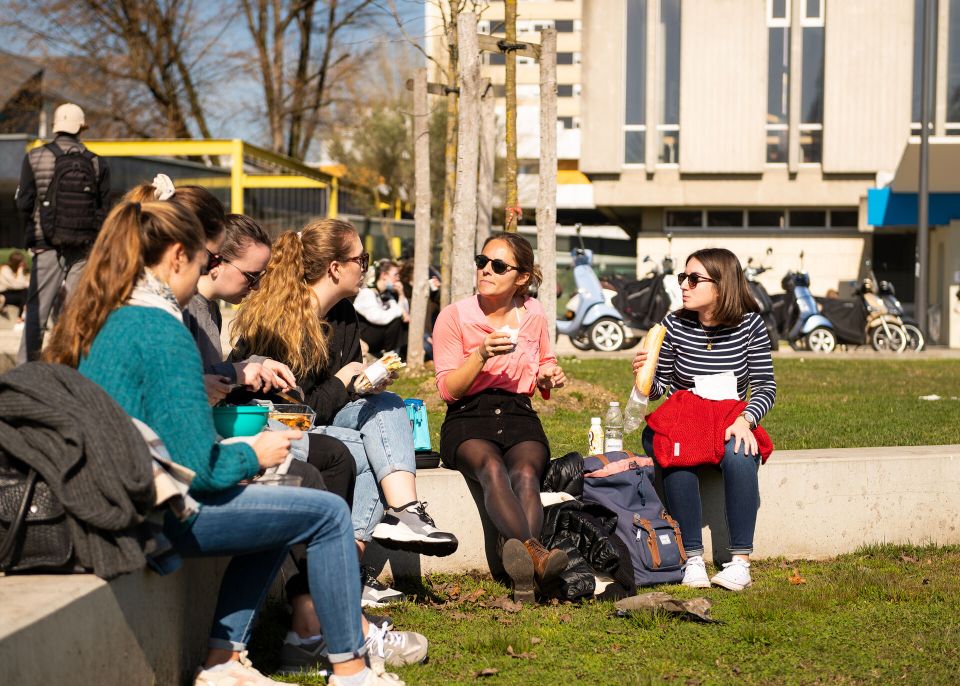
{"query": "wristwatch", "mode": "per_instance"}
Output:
(751, 420)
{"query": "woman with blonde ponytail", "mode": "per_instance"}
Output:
(124, 330)
(302, 315)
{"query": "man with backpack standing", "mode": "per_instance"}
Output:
(63, 196)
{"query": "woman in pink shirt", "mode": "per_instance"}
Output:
(492, 351)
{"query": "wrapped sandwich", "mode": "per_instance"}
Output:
(378, 373)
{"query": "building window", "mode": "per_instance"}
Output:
(689, 219)
(569, 122)
(811, 84)
(499, 90)
(635, 118)
(725, 218)
(564, 25)
(844, 219)
(565, 58)
(808, 219)
(765, 219)
(668, 130)
(778, 79)
(565, 90)
(497, 58)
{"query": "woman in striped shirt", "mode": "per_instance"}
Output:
(718, 331)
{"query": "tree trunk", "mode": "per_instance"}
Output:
(488, 142)
(468, 153)
(421, 241)
(511, 210)
(450, 159)
(547, 181)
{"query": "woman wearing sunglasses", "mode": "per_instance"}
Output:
(302, 315)
(492, 351)
(718, 331)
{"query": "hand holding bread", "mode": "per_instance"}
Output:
(645, 361)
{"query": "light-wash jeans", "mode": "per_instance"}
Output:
(257, 525)
(377, 432)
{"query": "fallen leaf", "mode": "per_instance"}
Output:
(564, 618)
(796, 579)
(907, 558)
(554, 601)
(475, 596)
(520, 656)
(489, 671)
(534, 640)
(506, 621)
(454, 592)
(459, 615)
(504, 603)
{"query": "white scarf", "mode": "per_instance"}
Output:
(150, 291)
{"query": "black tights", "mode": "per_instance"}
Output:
(510, 482)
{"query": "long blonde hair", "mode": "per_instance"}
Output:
(134, 235)
(279, 319)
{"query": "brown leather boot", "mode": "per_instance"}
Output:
(547, 564)
(518, 565)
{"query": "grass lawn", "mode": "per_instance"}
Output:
(883, 615)
(821, 403)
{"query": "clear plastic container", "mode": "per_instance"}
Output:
(635, 411)
(613, 436)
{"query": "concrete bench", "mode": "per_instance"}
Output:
(145, 629)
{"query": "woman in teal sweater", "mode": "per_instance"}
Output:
(122, 328)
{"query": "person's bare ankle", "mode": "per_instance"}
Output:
(218, 656)
(350, 667)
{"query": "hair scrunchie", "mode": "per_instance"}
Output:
(163, 188)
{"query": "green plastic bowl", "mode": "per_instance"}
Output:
(240, 420)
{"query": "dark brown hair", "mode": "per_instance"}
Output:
(523, 255)
(133, 236)
(734, 299)
(14, 260)
(241, 231)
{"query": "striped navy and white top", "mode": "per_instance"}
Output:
(743, 350)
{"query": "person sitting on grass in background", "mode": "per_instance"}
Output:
(492, 352)
(718, 331)
(383, 319)
(124, 331)
(14, 283)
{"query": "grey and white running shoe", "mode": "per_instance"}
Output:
(298, 655)
(376, 593)
(395, 648)
(410, 528)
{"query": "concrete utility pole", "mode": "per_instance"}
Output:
(488, 143)
(450, 161)
(468, 155)
(928, 59)
(421, 242)
(511, 210)
(547, 178)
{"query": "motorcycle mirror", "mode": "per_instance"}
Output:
(749, 261)
(769, 251)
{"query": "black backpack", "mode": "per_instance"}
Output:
(650, 536)
(70, 211)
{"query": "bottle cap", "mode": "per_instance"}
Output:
(615, 404)
(595, 420)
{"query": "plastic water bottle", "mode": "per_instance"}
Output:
(613, 437)
(635, 411)
(595, 436)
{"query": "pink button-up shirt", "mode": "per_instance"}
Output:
(461, 328)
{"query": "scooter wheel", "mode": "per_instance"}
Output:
(821, 340)
(915, 340)
(607, 335)
(581, 343)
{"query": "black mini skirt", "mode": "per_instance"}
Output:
(497, 416)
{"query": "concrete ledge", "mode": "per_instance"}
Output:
(78, 629)
(814, 504)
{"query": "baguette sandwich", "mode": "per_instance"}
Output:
(651, 343)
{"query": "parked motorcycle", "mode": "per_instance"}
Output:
(915, 340)
(885, 330)
(589, 319)
(763, 299)
(800, 320)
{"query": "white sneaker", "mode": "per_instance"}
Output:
(395, 648)
(233, 673)
(375, 677)
(695, 573)
(735, 575)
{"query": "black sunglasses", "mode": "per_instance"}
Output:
(253, 278)
(363, 259)
(694, 279)
(212, 261)
(498, 266)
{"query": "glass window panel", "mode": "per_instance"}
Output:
(724, 218)
(765, 218)
(636, 61)
(685, 218)
(634, 147)
(567, 122)
(565, 90)
(844, 218)
(670, 40)
(776, 147)
(669, 147)
(813, 9)
(953, 62)
(811, 90)
(811, 147)
(778, 9)
(778, 76)
(564, 25)
(808, 218)
(564, 58)
(498, 58)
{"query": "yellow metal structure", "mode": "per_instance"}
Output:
(288, 172)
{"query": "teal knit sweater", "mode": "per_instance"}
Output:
(147, 361)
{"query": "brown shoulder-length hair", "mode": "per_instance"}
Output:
(523, 255)
(279, 319)
(733, 294)
(134, 236)
(202, 203)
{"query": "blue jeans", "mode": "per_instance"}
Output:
(376, 431)
(741, 491)
(257, 525)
